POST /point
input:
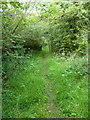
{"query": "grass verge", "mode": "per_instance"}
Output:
(23, 92)
(70, 85)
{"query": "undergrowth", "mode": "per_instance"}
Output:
(70, 84)
(24, 88)
(23, 91)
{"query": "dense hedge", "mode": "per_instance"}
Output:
(68, 27)
(63, 24)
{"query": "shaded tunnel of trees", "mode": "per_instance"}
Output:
(63, 24)
(27, 28)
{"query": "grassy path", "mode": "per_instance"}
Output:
(51, 105)
(46, 86)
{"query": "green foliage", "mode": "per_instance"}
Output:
(50, 26)
(10, 15)
(64, 24)
(70, 85)
(23, 94)
(34, 35)
(67, 28)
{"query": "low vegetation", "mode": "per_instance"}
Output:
(24, 93)
(70, 85)
(56, 32)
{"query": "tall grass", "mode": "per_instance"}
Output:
(23, 92)
(70, 84)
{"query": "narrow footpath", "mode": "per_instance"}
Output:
(51, 105)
